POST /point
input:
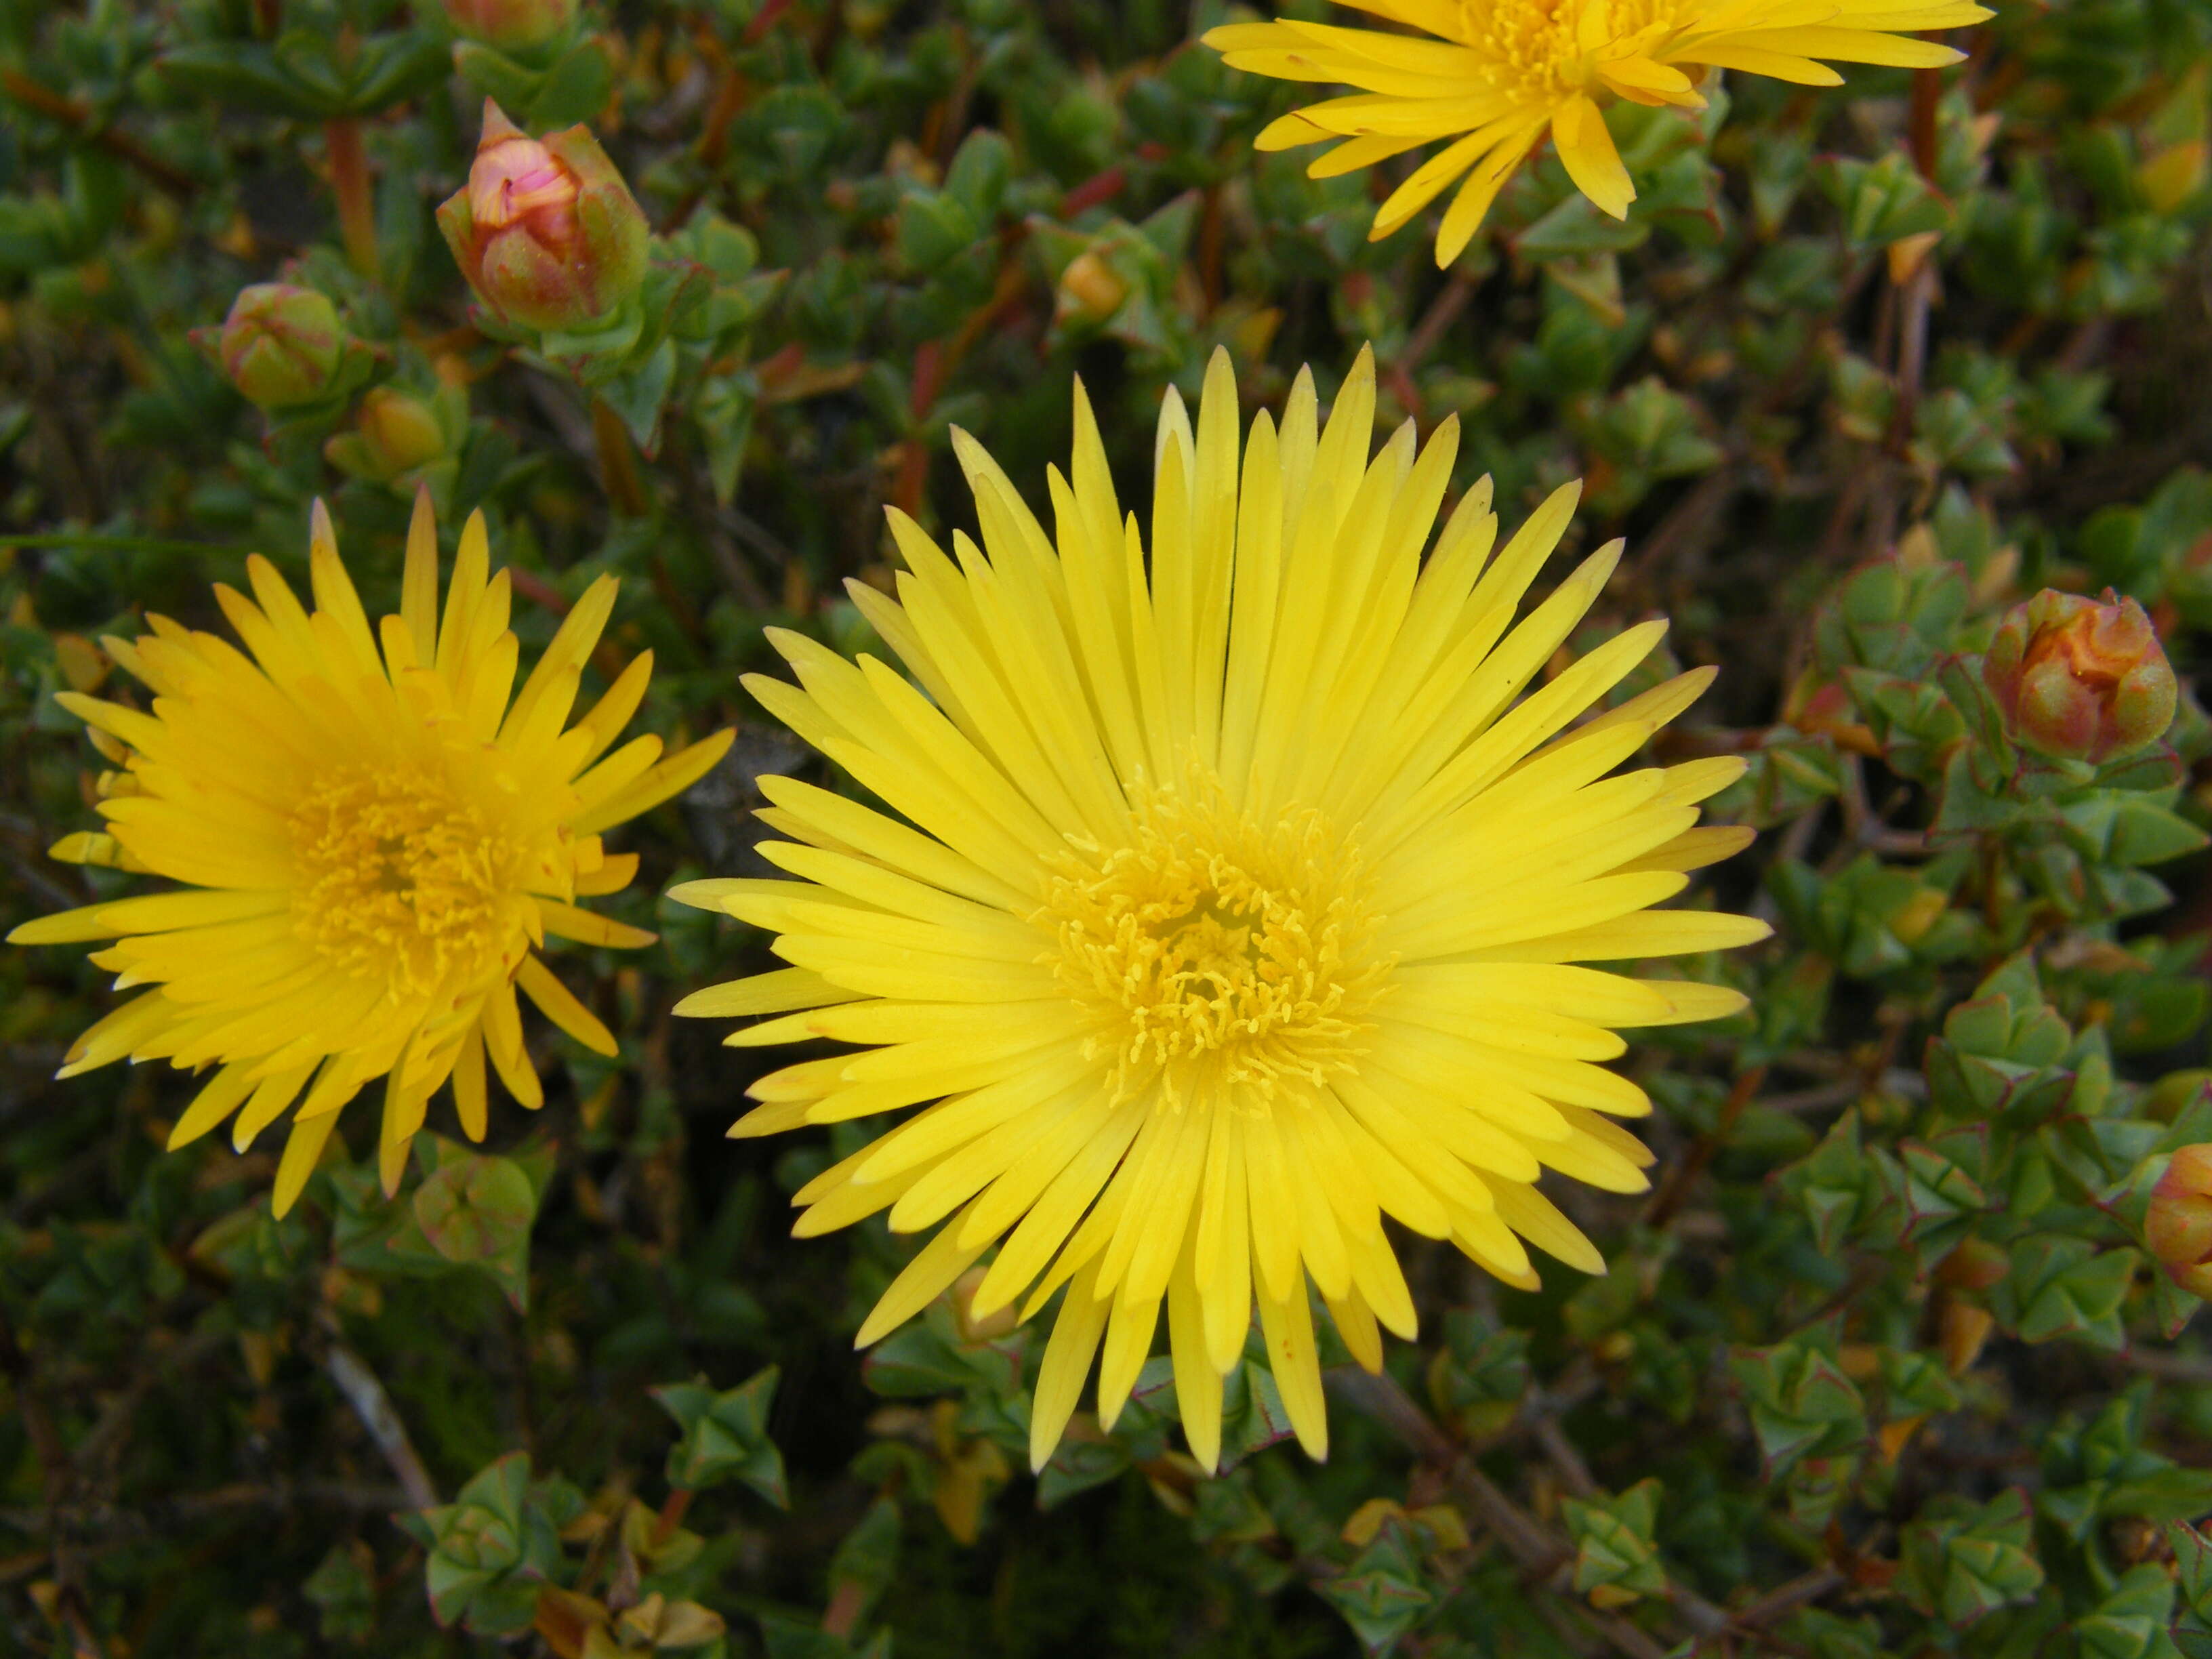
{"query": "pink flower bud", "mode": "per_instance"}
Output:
(281, 345)
(2178, 1228)
(546, 232)
(511, 25)
(2078, 679)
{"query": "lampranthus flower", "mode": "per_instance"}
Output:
(1500, 73)
(2178, 1226)
(1231, 902)
(545, 230)
(372, 838)
(2081, 679)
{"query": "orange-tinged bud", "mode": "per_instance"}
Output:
(545, 230)
(281, 345)
(2178, 1228)
(2081, 679)
(511, 25)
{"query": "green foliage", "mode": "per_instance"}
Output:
(725, 1437)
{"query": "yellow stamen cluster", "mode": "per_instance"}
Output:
(1225, 955)
(1532, 46)
(399, 879)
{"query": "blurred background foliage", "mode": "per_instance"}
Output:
(1883, 1364)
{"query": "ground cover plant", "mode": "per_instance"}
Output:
(1599, 677)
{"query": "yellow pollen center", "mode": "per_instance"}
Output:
(1550, 48)
(399, 880)
(1222, 955)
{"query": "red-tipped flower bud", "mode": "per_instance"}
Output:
(2079, 680)
(281, 345)
(2178, 1228)
(511, 25)
(546, 231)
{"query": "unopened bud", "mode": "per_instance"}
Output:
(546, 232)
(1091, 290)
(2081, 679)
(511, 25)
(2178, 1228)
(281, 345)
(395, 432)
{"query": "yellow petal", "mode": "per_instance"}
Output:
(1578, 129)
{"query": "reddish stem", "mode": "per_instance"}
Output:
(763, 20)
(1927, 97)
(1098, 189)
(847, 1603)
(349, 180)
(672, 1515)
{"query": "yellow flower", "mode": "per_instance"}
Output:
(1230, 902)
(1500, 73)
(371, 842)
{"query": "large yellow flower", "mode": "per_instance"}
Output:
(1500, 73)
(371, 841)
(1230, 901)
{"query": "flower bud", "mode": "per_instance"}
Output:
(1091, 290)
(511, 25)
(2078, 679)
(281, 345)
(546, 232)
(2178, 1228)
(394, 432)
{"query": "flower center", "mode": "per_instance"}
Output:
(1223, 955)
(398, 879)
(1550, 47)
(517, 178)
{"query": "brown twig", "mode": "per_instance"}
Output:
(1676, 1186)
(79, 118)
(1688, 519)
(1927, 97)
(2191, 1368)
(365, 1393)
(164, 1515)
(1540, 1553)
(1443, 311)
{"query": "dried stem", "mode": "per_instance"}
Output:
(1540, 1552)
(1680, 1179)
(373, 1406)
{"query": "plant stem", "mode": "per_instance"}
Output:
(672, 1515)
(349, 180)
(617, 461)
(364, 1391)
